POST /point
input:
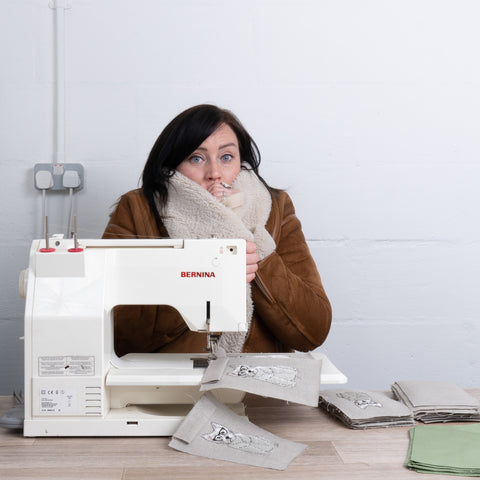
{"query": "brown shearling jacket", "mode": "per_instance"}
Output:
(291, 309)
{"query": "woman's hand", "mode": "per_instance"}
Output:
(252, 261)
(220, 190)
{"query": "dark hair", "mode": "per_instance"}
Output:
(183, 135)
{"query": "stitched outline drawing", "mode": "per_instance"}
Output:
(277, 375)
(360, 399)
(223, 436)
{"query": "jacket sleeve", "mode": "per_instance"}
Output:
(287, 292)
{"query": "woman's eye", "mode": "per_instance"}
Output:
(195, 159)
(227, 157)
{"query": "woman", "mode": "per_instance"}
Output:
(201, 179)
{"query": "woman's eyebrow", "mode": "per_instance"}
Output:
(232, 144)
(228, 145)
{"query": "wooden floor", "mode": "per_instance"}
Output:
(334, 452)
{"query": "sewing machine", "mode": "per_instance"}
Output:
(75, 385)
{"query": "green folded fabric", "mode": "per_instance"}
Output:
(445, 449)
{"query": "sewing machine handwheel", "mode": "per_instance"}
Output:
(22, 283)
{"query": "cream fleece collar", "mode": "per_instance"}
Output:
(192, 212)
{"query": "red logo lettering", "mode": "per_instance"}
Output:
(198, 274)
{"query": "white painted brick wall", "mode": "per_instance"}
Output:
(365, 111)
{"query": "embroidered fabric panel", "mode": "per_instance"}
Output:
(361, 409)
(212, 430)
(291, 377)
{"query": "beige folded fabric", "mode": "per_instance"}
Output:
(432, 401)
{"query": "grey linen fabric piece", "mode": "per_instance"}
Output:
(432, 401)
(359, 409)
(294, 377)
(212, 430)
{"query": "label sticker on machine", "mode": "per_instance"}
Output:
(57, 400)
(66, 366)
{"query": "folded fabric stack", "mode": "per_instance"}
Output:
(360, 409)
(445, 449)
(433, 402)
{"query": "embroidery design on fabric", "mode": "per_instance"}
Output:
(221, 435)
(360, 399)
(277, 375)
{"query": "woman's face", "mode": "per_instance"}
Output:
(215, 161)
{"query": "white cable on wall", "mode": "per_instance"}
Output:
(59, 6)
(71, 179)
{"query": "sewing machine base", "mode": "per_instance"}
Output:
(131, 421)
(142, 395)
(132, 414)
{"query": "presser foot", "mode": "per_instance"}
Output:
(211, 349)
(212, 345)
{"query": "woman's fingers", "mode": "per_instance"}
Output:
(252, 260)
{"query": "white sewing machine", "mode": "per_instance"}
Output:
(75, 385)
